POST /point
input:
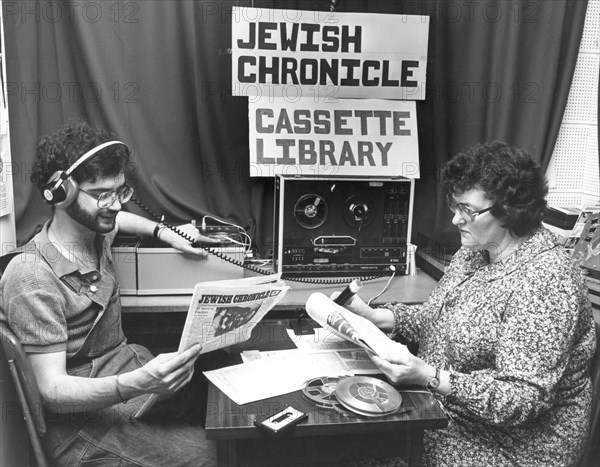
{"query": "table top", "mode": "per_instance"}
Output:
(405, 289)
(227, 420)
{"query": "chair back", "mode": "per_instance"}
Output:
(27, 391)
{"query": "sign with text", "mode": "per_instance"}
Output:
(316, 54)
(364, 137)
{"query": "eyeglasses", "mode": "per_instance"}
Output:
(108, 198)
(465, 211)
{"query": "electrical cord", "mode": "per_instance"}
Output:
(241, 231)
(385, 287)
(249, 267)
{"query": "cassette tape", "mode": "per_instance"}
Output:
(282, 421)
(342, 226)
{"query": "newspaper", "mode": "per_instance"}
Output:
(223, 313)
(351, 327)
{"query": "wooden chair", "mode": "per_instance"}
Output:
(27, 392)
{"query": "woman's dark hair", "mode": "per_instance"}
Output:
(59, 150)
(508, 176)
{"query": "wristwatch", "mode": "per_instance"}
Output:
(433, 381)
(158, 229)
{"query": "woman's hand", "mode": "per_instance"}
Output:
(357, 306)
(383, 318)
(164, 374)
(404, 368)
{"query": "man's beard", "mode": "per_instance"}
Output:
(102, 222)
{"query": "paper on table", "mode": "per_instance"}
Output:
(322, 339)
(251, 355)
(279, 374)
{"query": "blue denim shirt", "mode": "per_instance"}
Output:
(52, 304)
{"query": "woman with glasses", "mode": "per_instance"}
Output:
(506, 339)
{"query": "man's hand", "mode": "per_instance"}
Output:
(164, 374)
(178, 242)
(63, 393)
(144, 228)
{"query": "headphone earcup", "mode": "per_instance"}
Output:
(71, 190)
(64, 194)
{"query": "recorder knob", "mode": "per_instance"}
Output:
(358, 211)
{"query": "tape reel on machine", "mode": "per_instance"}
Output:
(342, 226)
(310, 211)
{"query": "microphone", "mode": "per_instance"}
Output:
(351, 289)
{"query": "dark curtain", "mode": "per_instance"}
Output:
(158, 74)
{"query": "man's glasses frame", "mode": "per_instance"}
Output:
(466, 212)
(108, 198)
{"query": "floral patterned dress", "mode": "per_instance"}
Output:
(518, 338)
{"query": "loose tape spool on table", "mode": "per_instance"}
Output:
(321, 391)
(361, 395)
(368, 396)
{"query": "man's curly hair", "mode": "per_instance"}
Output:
(508, 176)
(59, 150)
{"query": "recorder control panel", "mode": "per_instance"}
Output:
(342, 227)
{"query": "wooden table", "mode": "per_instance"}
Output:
(327, 438)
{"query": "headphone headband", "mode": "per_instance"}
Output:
(67, 173)
(61, 190)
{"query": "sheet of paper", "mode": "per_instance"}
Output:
(251, 355)
(322, 339)
(286, 372)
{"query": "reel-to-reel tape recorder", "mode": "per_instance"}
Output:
(342, 226)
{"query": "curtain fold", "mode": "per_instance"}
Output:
(158, 74)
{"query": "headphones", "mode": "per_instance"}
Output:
(61, 189)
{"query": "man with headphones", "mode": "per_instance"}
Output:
(60, 296)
